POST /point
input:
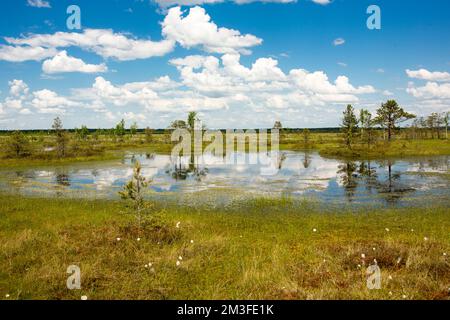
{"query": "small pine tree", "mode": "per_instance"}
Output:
(84, 132)
(18, 145)
(61, 137)
(446, 124)
(349, 125)
(120, 129)
(148, 135)
(306, 137)
(278, 125)
(133, 192)
(390, 114)
(133, 129)
(366, 122)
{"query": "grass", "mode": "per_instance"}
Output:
(262, 249)
(396, 148)
(331, 145)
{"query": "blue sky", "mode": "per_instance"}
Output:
(238, 63)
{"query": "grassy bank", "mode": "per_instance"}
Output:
(394, 149)
(261, 249)
(331, 145)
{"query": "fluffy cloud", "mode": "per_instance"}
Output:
(145, 94)
(228, 77)
(103, 42)
(431, 90)
(424, 74)
(433, 96)
(39, 3)
(47, 101)
(322, 2)
(64, 63)
(25, 53)
(160, 84)
(18, 93)
(18, 88)
(21, 102)
(197, 29)
(13, 103)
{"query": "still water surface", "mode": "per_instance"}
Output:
(414, 181)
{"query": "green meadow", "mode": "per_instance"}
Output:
(259, 249)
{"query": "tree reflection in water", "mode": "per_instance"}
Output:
(349, 179)
(281, 157)
(369, 175)
(63, 179)
(307, 160)
(392, 188)
(182, 172)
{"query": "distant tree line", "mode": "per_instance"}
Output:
(388, 118)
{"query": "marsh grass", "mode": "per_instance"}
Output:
(257, 249)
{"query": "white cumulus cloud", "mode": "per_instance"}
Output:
(25, 53)
(197, 29)
(431, 90)
(424, 74)
(103, 42)
(63, 63)
(48, 101)
(18, 88)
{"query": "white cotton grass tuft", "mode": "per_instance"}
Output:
(390, 277)
(138, 239)
(444, 254)
(178, 225)
(425, 239)
(363, 255)
(84, 297)
(7, 296)
(178, 263)
(192, 241)
(180, 258)
(314, 230)
(118, 239)
(387, 229)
